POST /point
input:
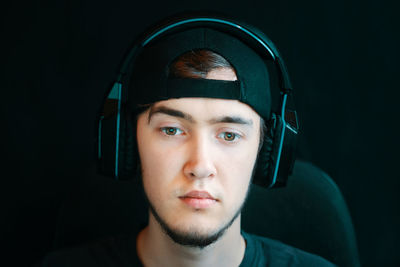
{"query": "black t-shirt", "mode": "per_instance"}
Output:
(262, 251)
(120, 251)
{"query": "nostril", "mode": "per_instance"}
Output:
(193, 175)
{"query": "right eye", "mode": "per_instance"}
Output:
(171, 131)
(230, 136)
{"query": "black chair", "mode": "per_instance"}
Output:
(309, 213)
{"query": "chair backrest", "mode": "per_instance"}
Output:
(309, 213)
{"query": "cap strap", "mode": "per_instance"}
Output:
(192, 87)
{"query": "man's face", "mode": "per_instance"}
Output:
(197, 157)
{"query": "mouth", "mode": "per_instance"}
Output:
(199, 199)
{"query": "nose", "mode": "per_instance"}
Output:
(200, 163)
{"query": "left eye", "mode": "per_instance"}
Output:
(229, 136)
(171, 131)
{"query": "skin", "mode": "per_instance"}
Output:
(197, 152)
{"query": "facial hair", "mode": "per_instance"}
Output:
(194, 239)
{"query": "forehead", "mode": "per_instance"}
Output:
(208, 108)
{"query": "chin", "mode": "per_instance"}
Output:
(194, 236)
(194, 231)
(195, 227)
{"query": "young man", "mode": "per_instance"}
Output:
(197, 157)
(198, 143)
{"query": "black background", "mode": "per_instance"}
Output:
(60, 57)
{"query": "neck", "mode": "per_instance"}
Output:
(156, 248)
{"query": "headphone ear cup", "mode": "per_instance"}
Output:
(125, 147)
(106, 146)
(265, 157)
(129, 157)
(276, 157)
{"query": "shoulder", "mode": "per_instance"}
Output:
(110, 251)
(276, 253)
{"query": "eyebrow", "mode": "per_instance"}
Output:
(188, 117)
(232, 119)
(170, 112)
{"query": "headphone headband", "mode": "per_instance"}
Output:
(258, 38)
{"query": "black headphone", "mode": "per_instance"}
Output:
(117, 149)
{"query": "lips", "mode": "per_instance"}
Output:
(199, 194)
(198, 199)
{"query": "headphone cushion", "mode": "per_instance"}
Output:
(265, 159)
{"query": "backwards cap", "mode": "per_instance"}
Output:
(150, 81)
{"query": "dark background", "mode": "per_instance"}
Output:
(60, 57)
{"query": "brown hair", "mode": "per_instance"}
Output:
(197, 64)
